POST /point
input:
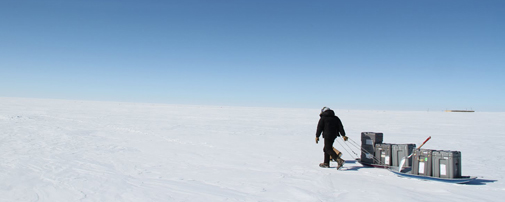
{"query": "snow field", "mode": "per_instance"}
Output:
(56, 150)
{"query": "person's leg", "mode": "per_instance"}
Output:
(326, 157)
(328, 150)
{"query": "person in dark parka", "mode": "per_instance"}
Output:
(331, 127)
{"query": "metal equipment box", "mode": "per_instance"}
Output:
(383, 154)
(368, 141)
(400, 151)
(446, 164)
(371, 138)
(367, 154)
(421, 162)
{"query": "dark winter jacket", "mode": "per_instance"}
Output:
(330, 125)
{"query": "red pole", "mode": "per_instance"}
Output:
(424, 142)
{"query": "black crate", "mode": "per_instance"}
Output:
(421, 162)
(400, 151)
(383, 154)
(367, 154)
(446, 164)
(371, 138)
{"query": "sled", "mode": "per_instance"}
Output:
(407, 173)
(371, 165)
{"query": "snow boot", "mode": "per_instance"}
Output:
(340, 162)
(324, 165)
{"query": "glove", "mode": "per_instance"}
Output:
(317, 140)
(345, 138)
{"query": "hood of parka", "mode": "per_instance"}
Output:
(327, 113)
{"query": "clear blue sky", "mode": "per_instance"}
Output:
(383, 55)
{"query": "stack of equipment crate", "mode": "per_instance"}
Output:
(374, 151)
(424, 162)
(437, 163)
(387, 154)
(368, 142)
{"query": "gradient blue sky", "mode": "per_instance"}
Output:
(381, 55)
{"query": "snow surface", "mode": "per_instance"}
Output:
(56, 150)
